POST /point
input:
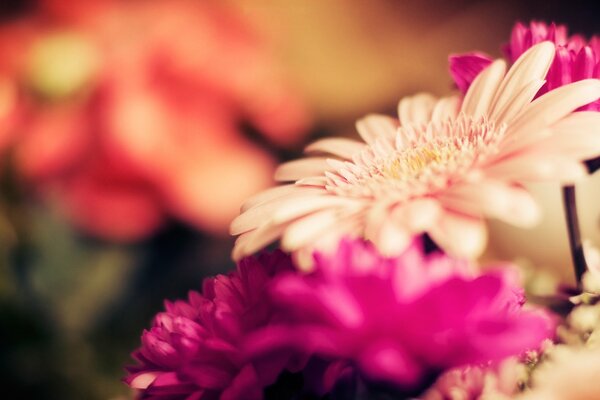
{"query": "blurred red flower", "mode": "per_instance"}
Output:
(126, 112)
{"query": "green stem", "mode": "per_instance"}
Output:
(575, 244)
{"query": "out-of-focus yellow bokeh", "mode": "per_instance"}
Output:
(354, 57)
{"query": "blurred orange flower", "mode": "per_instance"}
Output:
(127, 112)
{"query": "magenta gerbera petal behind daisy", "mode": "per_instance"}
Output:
(440, 168)
(464, 68)
(192, 350)
(576, 57)
(403, 320)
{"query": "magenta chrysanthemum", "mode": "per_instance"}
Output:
(401, 321)
(193, 349)
(441, 168)
(576, 57)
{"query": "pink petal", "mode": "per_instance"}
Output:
(536, 167)
(416, 109)
(517, 40)
(548, 109)
(243, 386)
(344, 169)
(308, 229)
(143, 380)
(255, 240)
(297, 207)
(532, 65)
(561, 72)
(209, 376)
(518, 103)
(297, 169)
(319, 181)
(585, 64)
(237, 252)
(464, 68)
(494, 199)
(391, 362)
(373, 127)
(342, 306)
(261, 213)
(343, 148)
(418, 214)
(267, 195)
(392, 238)
(576, 136)
(445, 108)
(460, 235)
(350, 226)
(479, 97)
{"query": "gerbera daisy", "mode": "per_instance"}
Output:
(441, 168)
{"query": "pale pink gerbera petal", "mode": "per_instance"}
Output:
(441, 168)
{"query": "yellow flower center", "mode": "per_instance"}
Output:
(412, 162)
(420, 160)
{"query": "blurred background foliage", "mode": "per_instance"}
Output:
(75, 291)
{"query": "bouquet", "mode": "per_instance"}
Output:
(374, 290)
